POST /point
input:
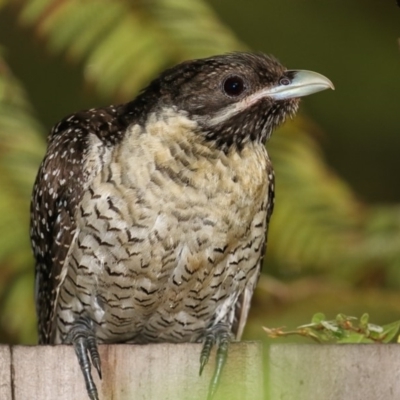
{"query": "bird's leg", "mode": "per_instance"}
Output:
(83, 338)
(221, 335)
(222, 355)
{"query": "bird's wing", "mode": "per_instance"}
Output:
(56, 195)
(242, 305)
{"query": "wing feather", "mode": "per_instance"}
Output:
(56, 195)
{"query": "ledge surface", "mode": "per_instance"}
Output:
(171, 372)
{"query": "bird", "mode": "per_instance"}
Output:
(149, 219)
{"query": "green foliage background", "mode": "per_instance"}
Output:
(334, 243)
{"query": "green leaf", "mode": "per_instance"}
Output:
(354, 337)
(318, 318)
(364, 320)
(390, 331)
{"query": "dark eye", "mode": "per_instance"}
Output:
(234, 86)
(284, 81)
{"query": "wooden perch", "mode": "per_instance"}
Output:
(170, 372)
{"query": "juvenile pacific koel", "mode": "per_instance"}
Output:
(149, 219)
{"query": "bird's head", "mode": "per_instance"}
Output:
(235, 98)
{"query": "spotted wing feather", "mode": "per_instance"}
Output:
(56, 195)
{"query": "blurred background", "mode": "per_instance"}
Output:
(334, 240)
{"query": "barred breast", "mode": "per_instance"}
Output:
(169, 232)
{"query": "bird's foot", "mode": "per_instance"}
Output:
(219, 334)
(83, 338)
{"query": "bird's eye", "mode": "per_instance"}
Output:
(234, 86)
(284, 81)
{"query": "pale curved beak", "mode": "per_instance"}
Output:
(303, 84)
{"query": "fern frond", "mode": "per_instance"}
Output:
(317, 217)
(124, 44)
(21, 149)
